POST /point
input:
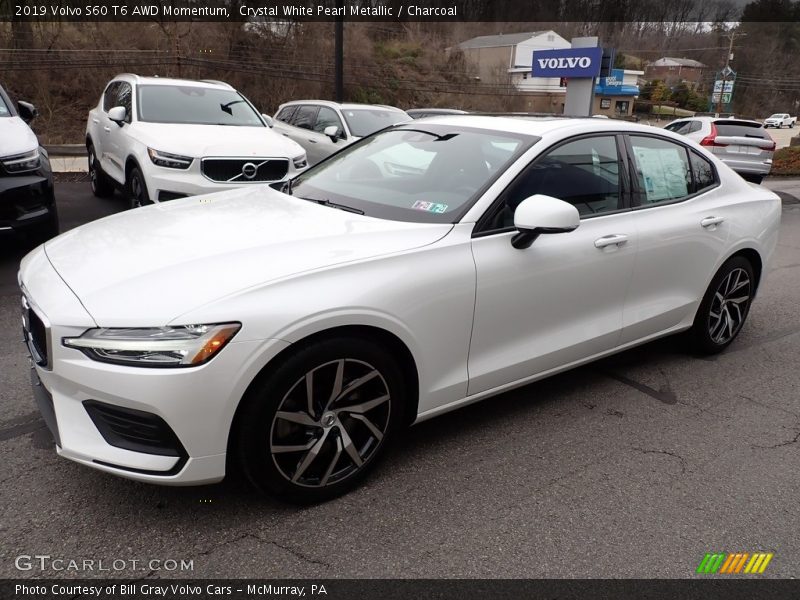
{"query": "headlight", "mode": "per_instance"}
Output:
(29, 161)
(171, 161)
(301, 162)
(180, 346)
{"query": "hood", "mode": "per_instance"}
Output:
(215, 140)
(147, 266)
(16, 137)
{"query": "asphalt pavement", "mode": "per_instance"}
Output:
(634, 466)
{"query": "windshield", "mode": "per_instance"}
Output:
(365, 121)
(427, 175)
(778, 116)
(196, 106)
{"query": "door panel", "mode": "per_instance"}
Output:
(560, 300)
(680, 242)
(549, 305)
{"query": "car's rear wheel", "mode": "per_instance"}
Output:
(102, 187)
(724, 307)
(314, 427)
(137, 189)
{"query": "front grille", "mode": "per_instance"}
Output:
(134, 430)
(244, 170)
(35, 332)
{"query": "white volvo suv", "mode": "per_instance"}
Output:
(427, 266)
(161, 139)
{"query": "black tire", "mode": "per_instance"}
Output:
(102, 186)
(275, 453)
(137, 189)
(719, 318)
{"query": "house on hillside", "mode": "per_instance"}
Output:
(675, 70)
(506, 59)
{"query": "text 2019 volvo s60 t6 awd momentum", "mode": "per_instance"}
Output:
(428, 266)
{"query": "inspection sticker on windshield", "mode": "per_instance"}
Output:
(433, 207)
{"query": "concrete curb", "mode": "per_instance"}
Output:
(66, 150)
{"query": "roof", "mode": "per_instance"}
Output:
(496, 41)
(341, 106)
(205, 83)
(538, 126)
(668, 61)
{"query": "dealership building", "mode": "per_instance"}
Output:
(506, 59)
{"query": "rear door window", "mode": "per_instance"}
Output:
(305, 117)
(662, 170)
(286, 114)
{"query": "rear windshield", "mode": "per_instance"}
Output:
(741, 129)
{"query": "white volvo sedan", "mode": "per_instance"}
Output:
(423, 268)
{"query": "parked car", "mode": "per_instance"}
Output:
(745, 146)
(428, 266)
(27, 201)
(323, 127)
(161, 139)
(780, 120)
(419, 113)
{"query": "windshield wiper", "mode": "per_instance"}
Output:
(326, 202)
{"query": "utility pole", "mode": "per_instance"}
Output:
(726, 69)
(338, 57)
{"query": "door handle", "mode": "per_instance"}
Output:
(95, 120)
(711, 221)
(616, 239)
(312, 141)
(285, 134)
(107, 129)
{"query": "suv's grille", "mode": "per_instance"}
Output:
(244, 170)
(35, 333)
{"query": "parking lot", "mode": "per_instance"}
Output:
(635, 466)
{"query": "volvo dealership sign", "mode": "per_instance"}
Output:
(567, 62)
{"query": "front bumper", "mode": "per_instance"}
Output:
(165, 183)
(198, 404)
(26, 199)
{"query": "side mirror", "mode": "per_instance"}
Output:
(542, 214)
(332, 131)
(118, 114)
(268, 120)
(27, 111)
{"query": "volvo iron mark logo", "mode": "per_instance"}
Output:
(249, 170)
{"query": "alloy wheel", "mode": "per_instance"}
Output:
(137, 193)
(729, 306)
(330, 423)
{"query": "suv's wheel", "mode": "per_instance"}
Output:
(102, 187)
(315, 426)
(137, 189)
(724, 308)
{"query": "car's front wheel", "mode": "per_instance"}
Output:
(312, 428)
(102, 187)
(724, 307)
(137, 189)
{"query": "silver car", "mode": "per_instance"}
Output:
(745, 146)
(322, 127)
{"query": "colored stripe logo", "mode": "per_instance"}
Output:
(723, 563)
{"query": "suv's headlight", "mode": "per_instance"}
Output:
(300, 162)
(180, 346)
(29, 161)
(171, 161)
